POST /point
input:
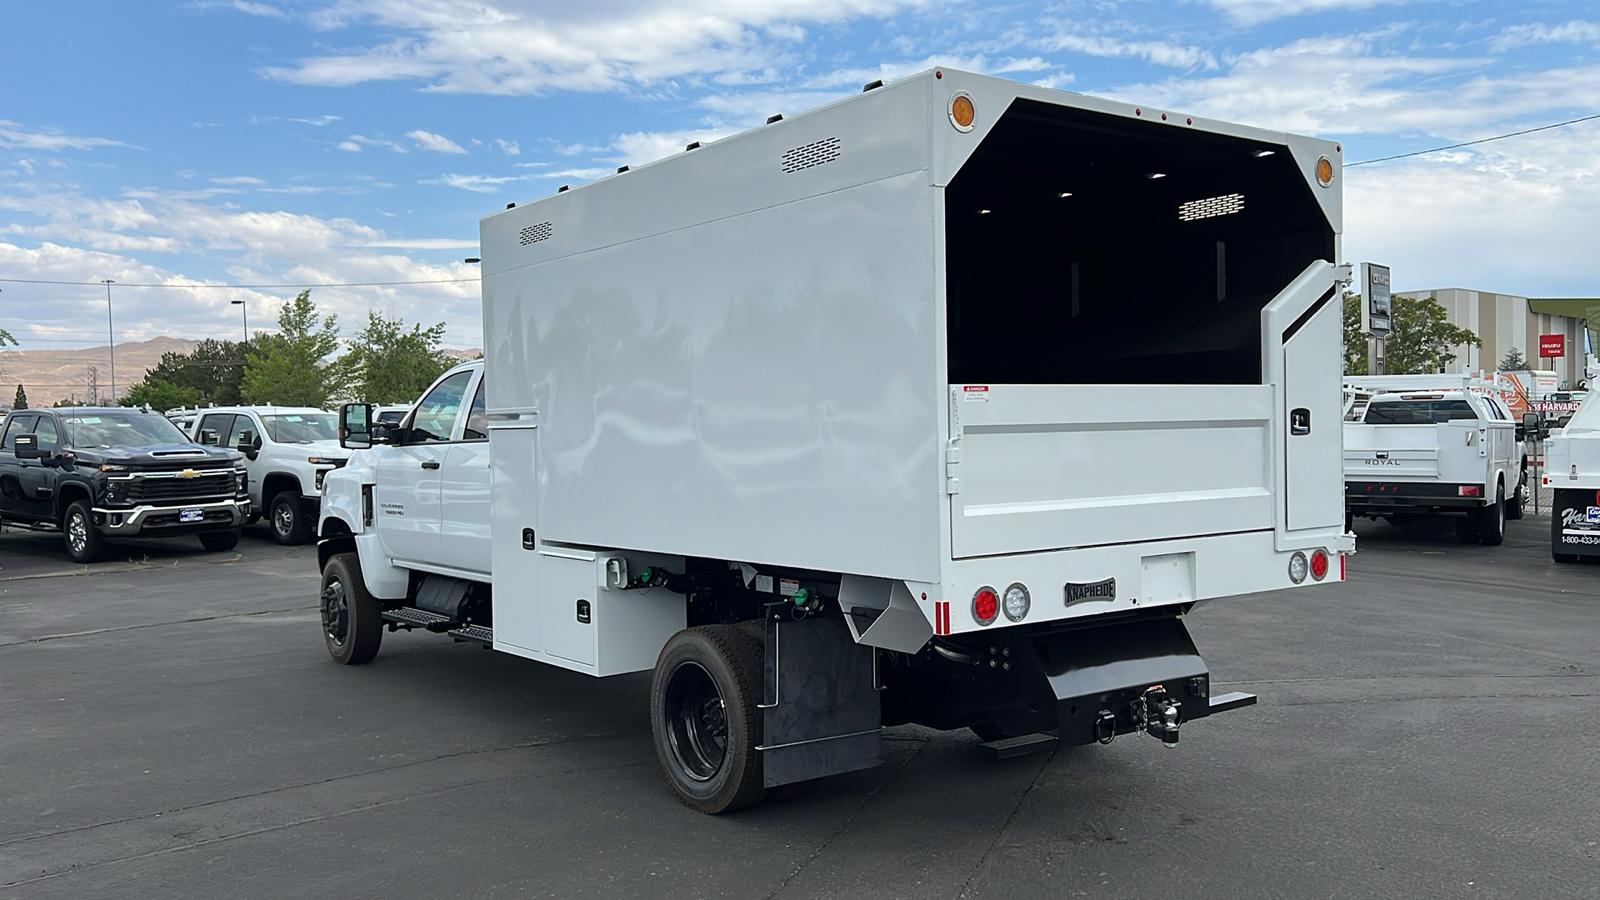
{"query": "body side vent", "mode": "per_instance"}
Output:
(533, 234)
(808, 156)
(1226, 205)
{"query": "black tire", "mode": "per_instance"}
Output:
(1467, 529)
(704, 716)
(352, 626)
(286, 518)
(1492, 519)
(218, 541)
(1518, 499)
(84, 543)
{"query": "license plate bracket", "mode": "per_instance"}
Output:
(191, 515)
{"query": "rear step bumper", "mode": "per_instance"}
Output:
(1135, 676)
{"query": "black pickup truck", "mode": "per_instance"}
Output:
(94, 474)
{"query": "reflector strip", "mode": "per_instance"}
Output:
(941, 618)
(1341, 566)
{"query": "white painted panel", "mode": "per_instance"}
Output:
(1312, 366)
(760, 388)
(513, 509)
(564, 581)
(405, 500)
(1051, 466)
(464, 506)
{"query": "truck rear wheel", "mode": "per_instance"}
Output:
(287, 519)
(704, 715)
(1492, 519)
(84, 543)
(352, 625)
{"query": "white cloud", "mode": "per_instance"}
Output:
(13, 134)
(642, 147)
(533, 46)
(237, 179)
(481, 184)
(1254, 12)
(424, 244)
(360, 140)
(1577, 31)
(1162, 53)
(509, 148)
(260, 9)
(319, 121)
(438, 143)
(350, 146)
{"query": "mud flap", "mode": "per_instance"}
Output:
(821, 712)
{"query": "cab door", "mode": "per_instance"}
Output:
(464, 490)
(38, 479)
(408, 512)
(12, 499)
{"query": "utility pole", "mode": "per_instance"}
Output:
(245, 310)
(111, 338)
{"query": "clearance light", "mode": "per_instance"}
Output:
(1154, 175)
(985, 606)
(1261, 154)
(1319, 564)
(1064, 194)
(1470, 490)
(962, 112)
(1324, 171)
(1297, 567)
(1017, 602)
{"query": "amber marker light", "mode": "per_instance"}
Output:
(1324, 171)
(962, 112)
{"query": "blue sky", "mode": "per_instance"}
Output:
(271, 141)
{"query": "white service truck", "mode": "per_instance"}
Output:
(1435, 445)
(288, 450)
(1572, 472)
(942, 404)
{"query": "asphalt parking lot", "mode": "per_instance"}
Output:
(170, 726)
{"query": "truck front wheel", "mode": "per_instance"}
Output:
(352, 625)
(1518, 499)
(84, 543)
(704, 715)
(1492, 519)
(288, 519)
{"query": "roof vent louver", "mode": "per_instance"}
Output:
(1226, 205)
(533, 234)
(807, 156)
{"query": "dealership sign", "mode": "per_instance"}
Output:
(1552, 345)
(1375, 300)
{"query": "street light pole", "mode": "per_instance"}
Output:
(111, 338)
(244, 309)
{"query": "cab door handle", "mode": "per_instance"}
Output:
(430, 464)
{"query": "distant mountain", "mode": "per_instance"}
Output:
(51, 375)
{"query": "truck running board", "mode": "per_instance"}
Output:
(479, 633)
(409, 618)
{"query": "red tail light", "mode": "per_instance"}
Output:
(1470, 490)
(985, 606)
(1319, 565)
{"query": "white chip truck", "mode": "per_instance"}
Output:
(940, 404)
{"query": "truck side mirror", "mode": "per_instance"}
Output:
(355, 426)
(209, 437)
(27, 447)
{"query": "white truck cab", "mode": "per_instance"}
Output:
(288, 450)
(1434, 445)
(1572, 472)
(941, 404)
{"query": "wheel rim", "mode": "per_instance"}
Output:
(697, 722)
(335, 611)
(283, 519)
(77, 532)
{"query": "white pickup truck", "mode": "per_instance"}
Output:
(287, 451)
(1432, 445)
(908, 409)
(1572, 471)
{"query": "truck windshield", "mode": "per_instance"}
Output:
(1417, 412)
(121, 430)
(302, 428)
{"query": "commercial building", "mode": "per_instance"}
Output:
(1504, 321)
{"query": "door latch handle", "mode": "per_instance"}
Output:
(1300, 421)
(430, 464)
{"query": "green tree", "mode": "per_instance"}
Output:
(211, 372)
(387, 363)
(1421, 340)
(22, 399)
(290, 368)
(1513, 361)
(159, 394)
(70, 401)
